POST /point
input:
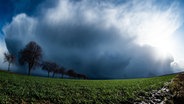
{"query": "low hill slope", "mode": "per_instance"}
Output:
(29, 89)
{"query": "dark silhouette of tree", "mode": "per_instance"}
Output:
(71, 73)
(47, 66)
(31, 54)
(9, 58)
(55, 69)
(81, 76)
(62, 71)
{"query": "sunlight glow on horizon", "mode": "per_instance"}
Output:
(158, 31)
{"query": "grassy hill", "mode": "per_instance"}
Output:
(29, 89)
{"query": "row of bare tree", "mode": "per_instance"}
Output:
(53, 68)
(31, 56)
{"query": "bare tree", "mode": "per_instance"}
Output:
(81, 76)
(47, 66)
(62, 71)
(55, 69)
(71, 73)
(9, 58)
(31, 54)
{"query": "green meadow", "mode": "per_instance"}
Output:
(30, 89)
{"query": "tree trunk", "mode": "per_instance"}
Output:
(8, 66)
(62, 75)
(53, 74)
(48, 74)
(29, 71)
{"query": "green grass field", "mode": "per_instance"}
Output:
(29, 89)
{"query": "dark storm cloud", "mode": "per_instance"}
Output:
(9, 8)
(90, 38)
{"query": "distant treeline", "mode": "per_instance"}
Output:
(31, 55)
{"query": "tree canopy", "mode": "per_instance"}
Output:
(31, 54)
(9, 58)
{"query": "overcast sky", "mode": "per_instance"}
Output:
(99, 38)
